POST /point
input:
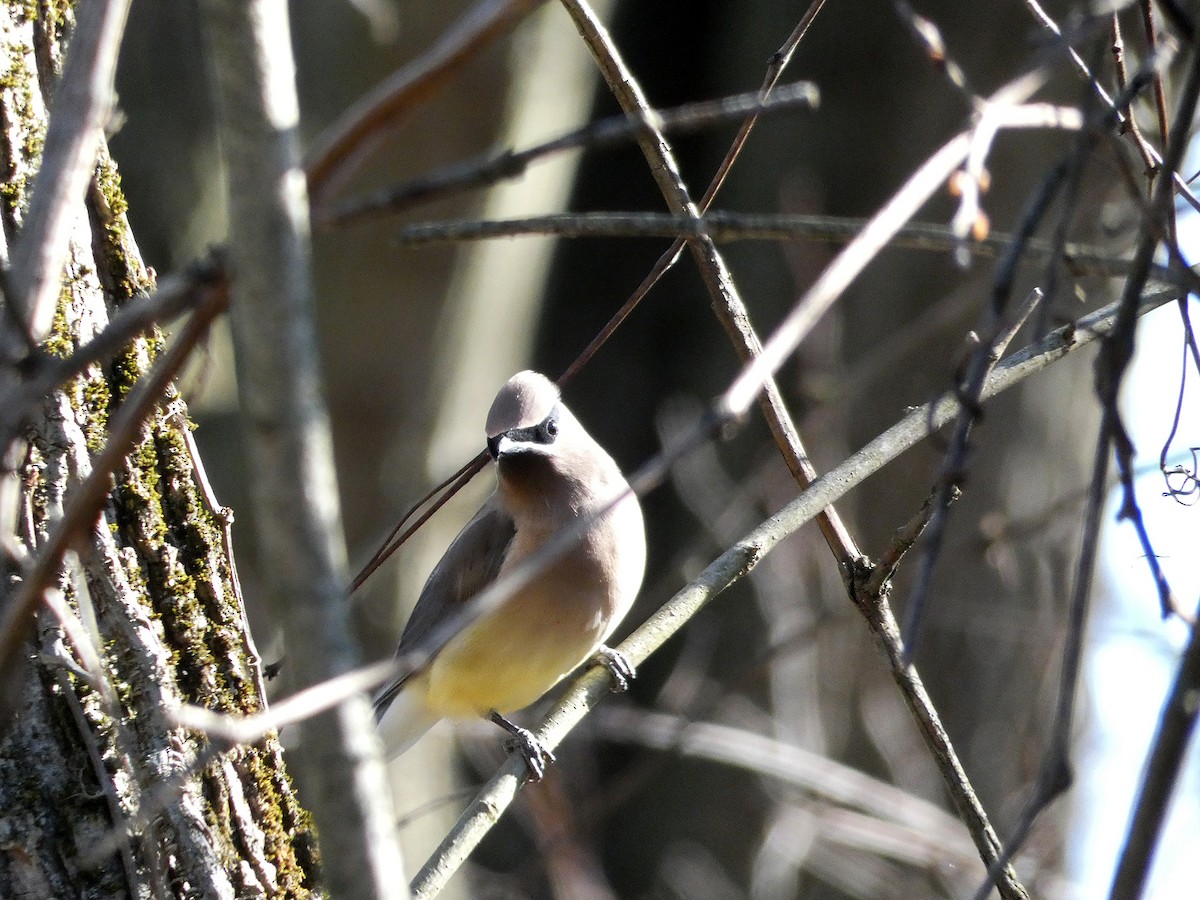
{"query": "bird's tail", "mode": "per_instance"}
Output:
(404, 719)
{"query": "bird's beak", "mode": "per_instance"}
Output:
(511, 444)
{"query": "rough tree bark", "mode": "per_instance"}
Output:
(155, 576)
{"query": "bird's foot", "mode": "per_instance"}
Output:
(537, 755)
(618, 665)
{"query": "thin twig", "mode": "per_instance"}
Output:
(727, 303)
(1127, 121)
(304, 704)
(775, 67)
(443, 492)
(223, 519)
(83, 104)
(1166, 758)
(1115, 354)
(736, 562)
(903, 539)
(728, 227)
(342, 147)
(1120, 107)
(1160, 104)
(929, 36)
(491, 168)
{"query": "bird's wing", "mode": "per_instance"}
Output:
(469, 565)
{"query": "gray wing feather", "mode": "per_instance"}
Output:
(471, 563)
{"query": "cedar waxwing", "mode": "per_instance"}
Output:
(551, 474)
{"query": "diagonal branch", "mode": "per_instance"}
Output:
(727, 302)
(775, 67)
(1170, 744)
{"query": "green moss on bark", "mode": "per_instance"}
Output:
(171, 623)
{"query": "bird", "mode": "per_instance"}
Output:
(551, 475)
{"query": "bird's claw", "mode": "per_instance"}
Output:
(537, 755)
(618, 665)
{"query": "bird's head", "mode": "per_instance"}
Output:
(543, 453)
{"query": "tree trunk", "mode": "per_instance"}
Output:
(154, 590)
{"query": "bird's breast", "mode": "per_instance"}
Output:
(513, 655)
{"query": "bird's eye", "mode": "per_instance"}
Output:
(551, 428)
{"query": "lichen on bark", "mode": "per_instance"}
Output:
(156, 581)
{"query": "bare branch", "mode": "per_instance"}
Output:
(1169, 746)
(728, 227)
(443, 492)
(495, 167)
(304, 704)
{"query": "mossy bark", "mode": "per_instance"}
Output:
(154, 586)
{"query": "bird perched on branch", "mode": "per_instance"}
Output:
(552, 478)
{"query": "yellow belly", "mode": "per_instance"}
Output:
(509, 659)
(513, 655)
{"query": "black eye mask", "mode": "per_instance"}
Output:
(544, 432)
